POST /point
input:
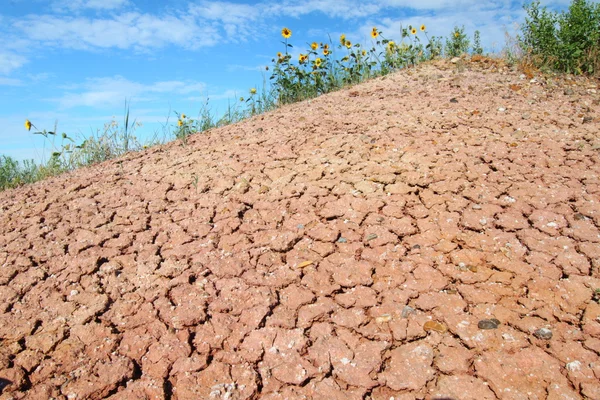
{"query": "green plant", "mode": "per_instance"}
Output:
(477, 49)
(458, 43)
(568, 42)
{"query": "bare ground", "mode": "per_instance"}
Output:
(430, 234)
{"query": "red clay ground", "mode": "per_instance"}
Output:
(431, 234)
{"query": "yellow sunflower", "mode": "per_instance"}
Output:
(348, 44)
(179, 123)
(374, 32)
(325, 52)
(364, 53)
(286, 33)
(183, 116)
(302, 58)
(326, 46)
(413, 31)
(456, 34)
(253, 91)
(28, 124)
(342, 38)
(318, 62)
(423, 28)
(391, 46)
(314, 45)
(279, 55)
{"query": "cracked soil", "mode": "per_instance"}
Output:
(430, 234)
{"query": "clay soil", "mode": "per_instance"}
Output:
(430, 234)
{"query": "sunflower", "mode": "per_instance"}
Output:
(28, 124)
(183, 116)
(348, 44)
(456, 34)
(423, 28)
(286, 33)
(314, 45)
(279, 55)
(391, 46)
(413, 31)
(302, 58)
(326, 46)
(364, 53)
(374, 32)
(179, 123)
(325, 52)
(318, 62)
(342, 38)
(253, 91)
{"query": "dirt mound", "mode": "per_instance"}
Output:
(430, 234)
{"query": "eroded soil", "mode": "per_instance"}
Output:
(431, 234)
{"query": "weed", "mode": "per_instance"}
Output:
(458, 43)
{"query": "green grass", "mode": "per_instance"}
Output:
(566, 42)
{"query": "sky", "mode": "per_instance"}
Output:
(75, 63)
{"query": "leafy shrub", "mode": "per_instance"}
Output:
(568, 42)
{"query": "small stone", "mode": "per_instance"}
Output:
(453, 100)
(569, 92)
(455, 60)
(579, 217)
(587, 119)
(476, 207)
(434, 326)
(573, 366)
(501, 109)
(300, 226)
(488, 324)
(342, 240)
(416, 247)
(383, 318)
(543, 333)
(305, 264)
(407, 310)
(263, 189)
(371, 236)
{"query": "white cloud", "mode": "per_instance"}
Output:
(10, 62)
(124, 31)
(112, 91)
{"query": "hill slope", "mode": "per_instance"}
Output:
(433, 233)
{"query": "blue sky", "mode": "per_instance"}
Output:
(76, 61)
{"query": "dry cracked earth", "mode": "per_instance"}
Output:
(433, 234)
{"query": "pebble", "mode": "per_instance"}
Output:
(434, 326)
(569, 91)
(488, 324)
(300, 226)
(407, 310)
(501, 109)
(371, 236)
(342, 240)
(383, 318)
(453, 100)
(543, 333)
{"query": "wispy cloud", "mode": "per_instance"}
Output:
(10, 62)
(10, 82)
(112, 91)
(131, 30)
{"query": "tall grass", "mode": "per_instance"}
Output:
(567, 42)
